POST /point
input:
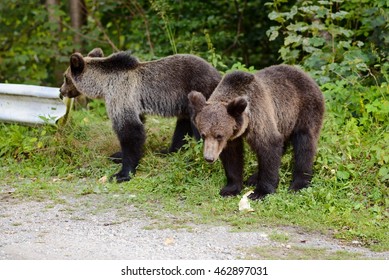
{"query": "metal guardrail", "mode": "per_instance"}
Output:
(30, 104)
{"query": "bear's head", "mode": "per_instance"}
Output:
(218, 122)
(76, 65)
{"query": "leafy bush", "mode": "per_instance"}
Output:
(30, 49)
(334, 39)
(35, 45)
(21, 142)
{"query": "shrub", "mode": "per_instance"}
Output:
(334, 39)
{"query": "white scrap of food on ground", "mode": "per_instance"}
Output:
(244, 203)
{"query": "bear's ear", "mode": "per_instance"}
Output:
(77, 64)
(237, 106)
(196, 101)
(96, 52)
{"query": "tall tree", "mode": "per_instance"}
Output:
(78, 15)
(54, 19)
(53, 7)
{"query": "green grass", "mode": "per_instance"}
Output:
(300, 253)
(348, 198)
(278, 237)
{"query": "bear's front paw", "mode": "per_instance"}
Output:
(298, 184)
(120, 177)
(256, 195)
(230, 190)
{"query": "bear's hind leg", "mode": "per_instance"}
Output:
(232, 159)
(304, 148)
(269, 162)
(183, 127)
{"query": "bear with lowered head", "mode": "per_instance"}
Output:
(132, 88)
(271, 108)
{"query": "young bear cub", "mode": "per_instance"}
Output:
(275, 106)
(132, 88)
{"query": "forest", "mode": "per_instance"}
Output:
(330, 39)
(342, 44)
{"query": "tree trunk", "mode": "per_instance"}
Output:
(55, 20)
(51, 5)
(78, 15)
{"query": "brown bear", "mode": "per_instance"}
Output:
(277, 105)
(132, 88)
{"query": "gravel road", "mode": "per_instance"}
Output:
(42, 230)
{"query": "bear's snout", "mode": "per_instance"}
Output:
(62, 92)
(61, 95)
(212, 150)
(209, 158)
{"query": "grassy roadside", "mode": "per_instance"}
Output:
(348, 199)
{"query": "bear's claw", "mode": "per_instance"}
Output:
(119, 178)
(230, 190)
(256, 195)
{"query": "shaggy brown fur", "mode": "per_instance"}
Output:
(277, 105)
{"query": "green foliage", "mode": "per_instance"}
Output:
(334, 39)
(163, 9)
(35, 45)
(29, 47)
(331, 39)
(352, 157)
(21, 142)
(51, 151)
(363, 115)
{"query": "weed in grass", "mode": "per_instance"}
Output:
(279, 237)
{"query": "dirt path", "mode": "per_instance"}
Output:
(74, 230)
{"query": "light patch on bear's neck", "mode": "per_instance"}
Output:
(245, 124)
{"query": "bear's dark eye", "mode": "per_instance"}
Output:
(202, 136)
(219, 137)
